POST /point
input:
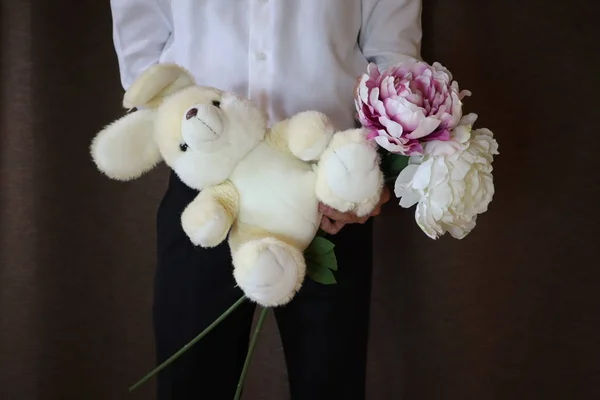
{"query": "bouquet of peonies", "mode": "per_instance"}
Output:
(413, 111)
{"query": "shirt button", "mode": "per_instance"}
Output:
(261, 56)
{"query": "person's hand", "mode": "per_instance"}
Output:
(333, 221)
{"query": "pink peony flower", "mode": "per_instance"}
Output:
(408, 104)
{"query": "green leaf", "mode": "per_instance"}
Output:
(326, 260)
(321, 275)
(319, 245)
(329, 260)
(393, 164)
(321, 261)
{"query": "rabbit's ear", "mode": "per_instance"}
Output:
(155, 83)
(126, 149)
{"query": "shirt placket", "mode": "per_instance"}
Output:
(260, 52)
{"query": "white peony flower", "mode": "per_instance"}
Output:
(452, 182)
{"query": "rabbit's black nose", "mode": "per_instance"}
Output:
(191, 113)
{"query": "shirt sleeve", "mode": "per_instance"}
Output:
(141, 29)
(391, 31)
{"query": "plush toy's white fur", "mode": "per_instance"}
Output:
(259, 187)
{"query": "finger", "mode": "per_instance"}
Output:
(326, 225)
(376, 212)
(337, 226)
(334, 214)
(331, 227)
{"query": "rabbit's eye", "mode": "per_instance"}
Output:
(183, 147)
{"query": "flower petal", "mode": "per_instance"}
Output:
(405, 177)
(393, 128)
(426, 126)
(424, 220)
(373, 71)
(409, 198)
(385, 143)
(422, 176)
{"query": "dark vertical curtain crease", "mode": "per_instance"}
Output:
(510, 312)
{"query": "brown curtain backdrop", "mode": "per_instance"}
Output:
(509, 313)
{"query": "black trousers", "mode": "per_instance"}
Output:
(323, 329)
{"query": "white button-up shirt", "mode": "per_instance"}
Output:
(286, 55)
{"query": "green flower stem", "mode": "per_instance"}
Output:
(190, 344)
(251, 348)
